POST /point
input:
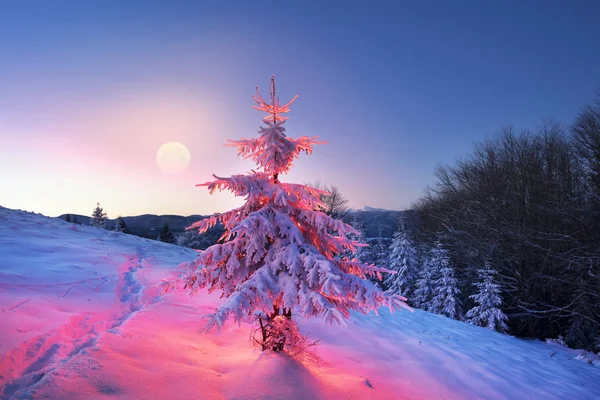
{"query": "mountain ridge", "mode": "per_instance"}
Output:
(374, 222)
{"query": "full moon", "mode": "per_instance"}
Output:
(173, 157)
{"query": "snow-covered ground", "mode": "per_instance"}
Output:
(82, 316)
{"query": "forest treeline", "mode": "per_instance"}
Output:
(527, 205)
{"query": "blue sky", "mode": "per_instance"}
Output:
(90, 89)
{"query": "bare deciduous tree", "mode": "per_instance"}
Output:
(336, 205)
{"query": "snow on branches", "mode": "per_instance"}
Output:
(403, 260)
(274, 108)
(273, 150)
(278, 251)
(488, 300)
(436, 287)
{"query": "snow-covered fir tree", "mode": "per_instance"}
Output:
(278, 253)
(166, 235)
(424, 286)
(445, 290)
(428, 276)
(403, 260)
(121, 226)
(488, 298)
(99, 219)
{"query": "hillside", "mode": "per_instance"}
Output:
(83, 317)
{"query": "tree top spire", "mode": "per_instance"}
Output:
(274, 108)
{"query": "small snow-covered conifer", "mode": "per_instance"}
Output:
(98, 217)
(445, 291)
(166, 235)
(402, 260)
(487, 312)
(428, 275)
(279, 252)
(121, 226)
(423, 288)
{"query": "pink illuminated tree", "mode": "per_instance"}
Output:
(279, 252)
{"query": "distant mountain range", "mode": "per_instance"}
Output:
(147, 225)
(368, 209)
(374, 221)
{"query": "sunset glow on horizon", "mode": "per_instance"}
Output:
(89, 92)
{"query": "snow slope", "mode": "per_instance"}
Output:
(82, 316)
